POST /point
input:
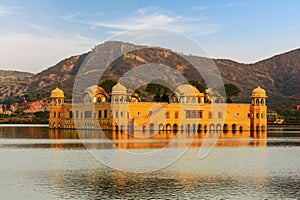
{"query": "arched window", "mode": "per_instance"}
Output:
(257, 101)
(87, 99)
(262, 102)
(257, 127)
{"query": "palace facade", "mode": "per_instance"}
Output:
(185, 111)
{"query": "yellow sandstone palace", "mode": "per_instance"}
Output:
(186, 111)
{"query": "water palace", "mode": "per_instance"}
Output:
(186, 111)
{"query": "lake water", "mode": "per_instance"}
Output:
(38, 163)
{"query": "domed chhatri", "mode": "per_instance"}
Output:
(94, 90)
(119, 89)
(188, 90)
(95, 94)
(57, 93)
(259, 92)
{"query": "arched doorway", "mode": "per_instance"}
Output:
(233, 128)
(218, 127)
(175, 128)
(199, 129)
(188, 128)
(182, 128)
(225, 128)
(205, 128)
(194, 128)
(212, 127)
(168, 127)
(241, 129)
(161, 128)
(151, 128)
(144, 129)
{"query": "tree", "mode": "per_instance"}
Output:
(198, 85)
(108, 84)
(231, 91)
(41, 114)
(159, 90)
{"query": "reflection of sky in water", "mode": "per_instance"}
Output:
(250, 170)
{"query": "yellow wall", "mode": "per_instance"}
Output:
(146, 113)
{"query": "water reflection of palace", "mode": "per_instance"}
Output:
(183, 111)
(94, 139)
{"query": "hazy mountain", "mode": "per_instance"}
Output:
(279, 75)
(8, 77)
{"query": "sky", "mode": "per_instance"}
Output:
(35, 35)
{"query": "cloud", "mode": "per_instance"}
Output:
(200, 8)
(158, 18)
(4, 10)
(35, 52)
(70, 16)
(39, 27)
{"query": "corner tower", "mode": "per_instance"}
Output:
(120, 109)
(258, 110)
(56, 108)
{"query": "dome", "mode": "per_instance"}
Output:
(119, 89)
(135, 95)
(259, 92)
(57, 93)
(188, 90)
(94, 90)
